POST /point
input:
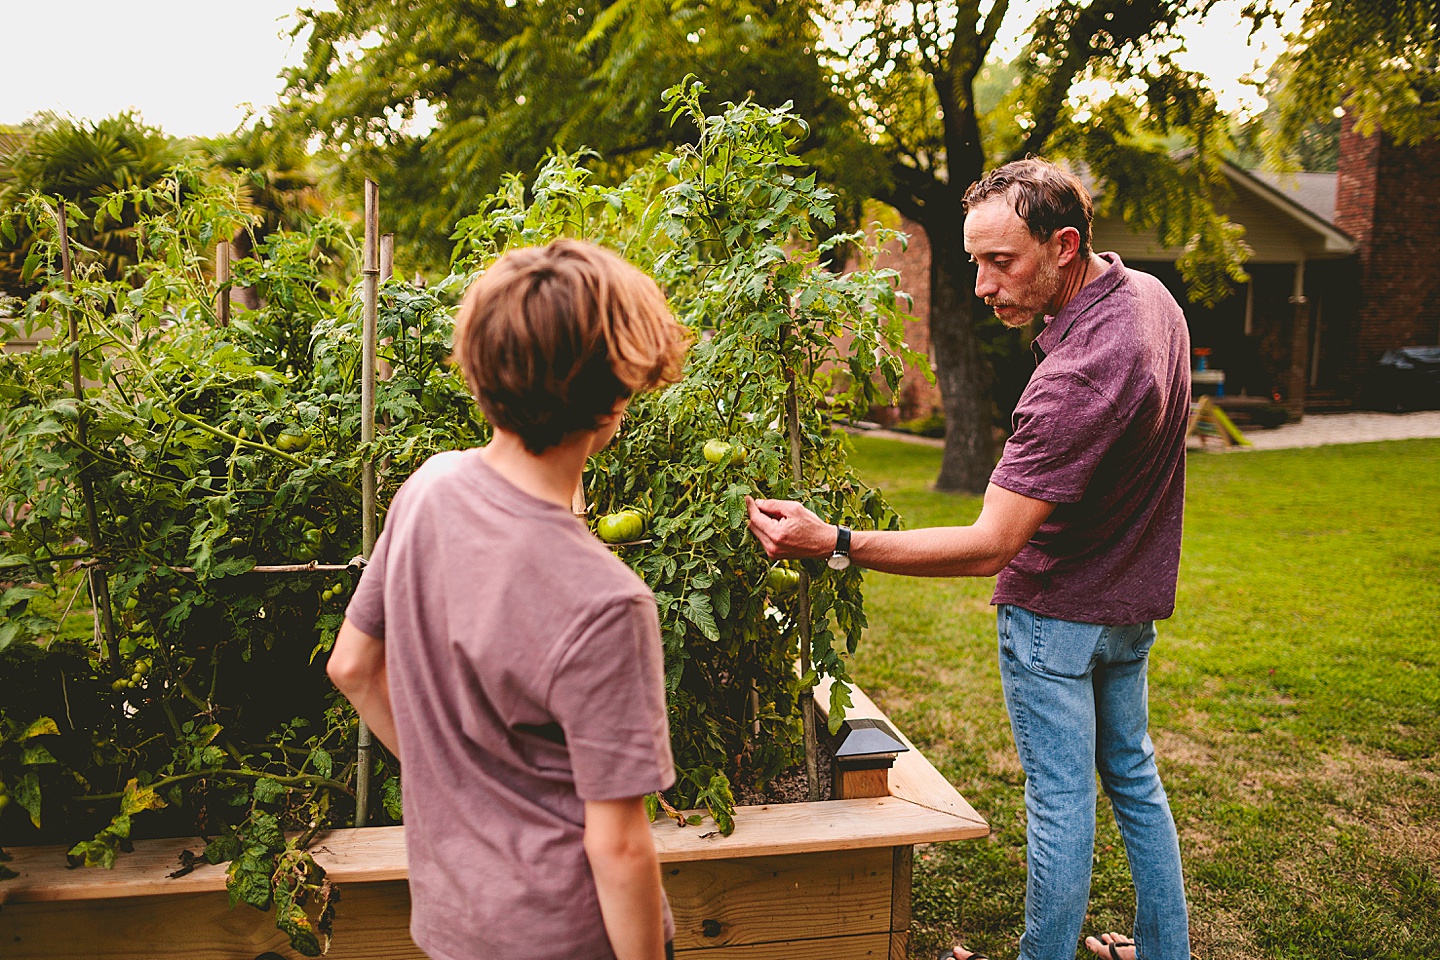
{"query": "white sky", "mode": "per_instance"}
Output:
(192, 67)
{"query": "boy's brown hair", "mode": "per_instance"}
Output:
(551, 337)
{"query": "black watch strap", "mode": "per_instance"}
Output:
(842, 540)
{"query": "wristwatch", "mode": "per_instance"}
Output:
(840, 559)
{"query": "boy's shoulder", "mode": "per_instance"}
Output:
(540, 541)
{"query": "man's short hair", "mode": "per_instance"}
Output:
(551, 337)
(1043, 195)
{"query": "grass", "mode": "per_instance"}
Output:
(1295, 706)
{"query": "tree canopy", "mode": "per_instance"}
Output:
(895, 94)
(1378, 60)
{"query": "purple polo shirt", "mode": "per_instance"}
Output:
(1100, 432)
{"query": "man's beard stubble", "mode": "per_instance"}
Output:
(1035, 299)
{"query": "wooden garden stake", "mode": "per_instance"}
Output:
(387, 270)
(807, 698)
(223, 253)
(371, 271)
(99, 582)
(387, 256)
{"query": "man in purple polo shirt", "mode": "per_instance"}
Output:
(1081, 521)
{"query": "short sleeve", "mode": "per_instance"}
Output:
(1063, 429)
(366, 609)
(608, 695)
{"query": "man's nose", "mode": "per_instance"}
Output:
(985, 285)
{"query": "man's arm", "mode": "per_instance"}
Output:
(627, 877)
(357, 667)
(1006, 523)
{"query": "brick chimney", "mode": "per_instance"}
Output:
(1388, 200)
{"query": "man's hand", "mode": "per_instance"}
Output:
(788, 530)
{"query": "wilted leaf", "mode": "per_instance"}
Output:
(39, 728)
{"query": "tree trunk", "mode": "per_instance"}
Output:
(961, 371)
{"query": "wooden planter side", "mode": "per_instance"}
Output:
(825, 880)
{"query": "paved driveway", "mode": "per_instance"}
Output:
(1319, 429)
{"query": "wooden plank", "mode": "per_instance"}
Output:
(374, 854)
(810, 827)
(377, 854)
(902, 871)
(913, 778)
(371, 923)
(900, 945)
(867, 946)
(764, 899)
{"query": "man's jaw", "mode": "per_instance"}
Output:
(1011, 314)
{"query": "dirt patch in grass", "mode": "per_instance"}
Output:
(1218, 932)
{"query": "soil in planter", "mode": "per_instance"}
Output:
(791, 786)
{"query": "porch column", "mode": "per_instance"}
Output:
(1295, 378)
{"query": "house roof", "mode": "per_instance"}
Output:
(1286, 216)
(1313, 191)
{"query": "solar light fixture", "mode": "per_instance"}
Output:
(867, 750)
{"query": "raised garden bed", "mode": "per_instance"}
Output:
(827, 880)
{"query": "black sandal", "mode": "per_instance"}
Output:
(948, 953)
(1115, 946)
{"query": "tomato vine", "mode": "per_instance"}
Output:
(212, 450)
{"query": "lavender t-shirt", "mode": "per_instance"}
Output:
(526, 677)
(1100, 432)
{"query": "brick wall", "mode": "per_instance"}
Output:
(1388, 199)
(918, 397)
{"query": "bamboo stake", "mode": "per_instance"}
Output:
(222, 280)
(99, 583)
(807, 698)
(387, 270)
(371, 272)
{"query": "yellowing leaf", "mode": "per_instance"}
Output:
(138, 798)
(40, 728)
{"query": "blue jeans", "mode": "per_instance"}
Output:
(1077, 698)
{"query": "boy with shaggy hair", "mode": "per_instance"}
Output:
(505, 655)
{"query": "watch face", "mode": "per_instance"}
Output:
(838, 561)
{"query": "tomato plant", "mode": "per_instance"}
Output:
(199, 453)
(207, 451)
(727, 227)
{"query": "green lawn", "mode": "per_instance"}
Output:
(1295, 707)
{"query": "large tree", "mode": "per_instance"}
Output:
(889, 87)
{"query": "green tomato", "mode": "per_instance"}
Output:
(621, 527)
(3, 788)
(783, 581)
(327, 595)
(634, 524)
(142, 667)
(135, 678)
(237, 541)
(612, 527)
(4, 801)
(716, 450)
(292, 441)
(117, 685)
